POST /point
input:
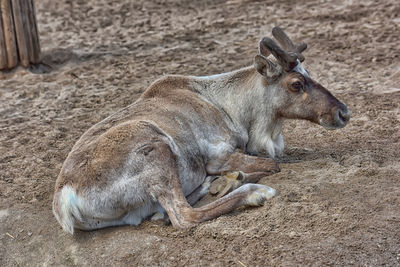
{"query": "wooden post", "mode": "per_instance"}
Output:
(9, 34)
(19, 39)
(3, 52)
(33, 30)
(22, 38)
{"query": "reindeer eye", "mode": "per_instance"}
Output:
(296, 86)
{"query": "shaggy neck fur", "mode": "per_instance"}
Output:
(252, 104)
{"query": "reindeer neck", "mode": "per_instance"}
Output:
(228, 91)
(243, 95)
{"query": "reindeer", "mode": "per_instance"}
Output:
(160, 154)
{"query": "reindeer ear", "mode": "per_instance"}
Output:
(266, 67)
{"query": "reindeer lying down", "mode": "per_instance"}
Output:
(160, 153)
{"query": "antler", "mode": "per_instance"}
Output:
(288, 56)
(287, 44)
(288, 60)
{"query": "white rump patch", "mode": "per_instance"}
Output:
(68, 207)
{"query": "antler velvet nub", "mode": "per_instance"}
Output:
(287, 44)
(288, 60)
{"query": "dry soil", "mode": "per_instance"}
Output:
(339, 201)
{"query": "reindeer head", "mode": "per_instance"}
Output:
(298, 96)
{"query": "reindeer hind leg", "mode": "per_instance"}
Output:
(201, 191)
(167, 188)
(182, 215)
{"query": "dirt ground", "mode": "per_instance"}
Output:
(339, 201)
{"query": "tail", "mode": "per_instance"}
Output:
(65, 208)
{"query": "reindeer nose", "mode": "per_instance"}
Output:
(342, 116)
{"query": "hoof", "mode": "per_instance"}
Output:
(260, 195)
(226, 183)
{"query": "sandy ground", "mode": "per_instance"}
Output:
(339, 201)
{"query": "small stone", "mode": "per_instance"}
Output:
(292, 234)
